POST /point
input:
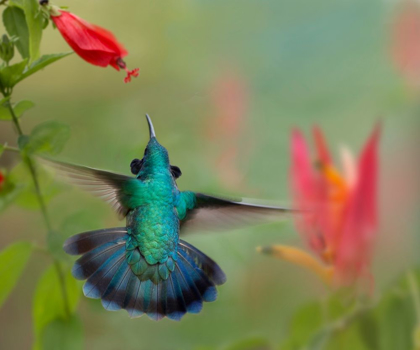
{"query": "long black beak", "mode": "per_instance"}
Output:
(151, 128)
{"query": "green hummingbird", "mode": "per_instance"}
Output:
(144, 267)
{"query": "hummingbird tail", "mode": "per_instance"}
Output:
(109, 277)
(192, 282)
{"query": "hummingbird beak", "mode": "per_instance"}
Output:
(151, 128)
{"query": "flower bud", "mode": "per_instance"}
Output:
(7, 48)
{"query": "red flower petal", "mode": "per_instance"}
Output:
(321, 146)
(306, 192)
(94, 44)
(354, 252)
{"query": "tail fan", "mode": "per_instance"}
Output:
(110, 277)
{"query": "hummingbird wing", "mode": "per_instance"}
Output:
(209, 213)
(121, 191)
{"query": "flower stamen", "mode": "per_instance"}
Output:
(130, 73)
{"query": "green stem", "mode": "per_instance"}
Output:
(11, 149)
(41, 201)
(32, 170)
(15, 118)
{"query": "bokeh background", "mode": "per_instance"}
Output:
(225, 83)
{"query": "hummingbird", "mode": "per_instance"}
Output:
(144, 267)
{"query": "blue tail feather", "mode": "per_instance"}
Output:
(209, 266)
(97, 284)
(114, 295)
(158, 292)
(87, 241)
(197, 279)
(162, 297)
(93, 260)
(192, 297)
(175, 306)
(134, 298)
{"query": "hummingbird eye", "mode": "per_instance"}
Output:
(136, 165)
(175, 171)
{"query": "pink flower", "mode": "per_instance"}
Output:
(340, 210)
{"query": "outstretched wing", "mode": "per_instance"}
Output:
(208, 213)
(121, 191)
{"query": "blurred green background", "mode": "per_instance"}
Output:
(225, 82)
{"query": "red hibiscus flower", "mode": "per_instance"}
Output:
(340, 217)
(94, 44)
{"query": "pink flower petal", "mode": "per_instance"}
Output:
(305, 189)
(354, 252)
(321, 146)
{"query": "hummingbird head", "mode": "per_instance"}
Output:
(155, 159)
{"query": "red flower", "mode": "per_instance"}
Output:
(94, 44)
(341, 217)
(2, 180)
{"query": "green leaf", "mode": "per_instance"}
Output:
(13, 260)
(49, 137)
(5, 113)
(15, 23)
(369, 330)
(10, 75)
(19, 108)
(34, 22)
(63, 334)
(42, 62)
(1, 149)
(4, 100)
(22, 106)
(49, 303)
(397, 323)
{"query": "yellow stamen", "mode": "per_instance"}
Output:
(301, 258)
(333, 176)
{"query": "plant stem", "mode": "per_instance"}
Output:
(32, 170)
(41, 201)
(15, 118)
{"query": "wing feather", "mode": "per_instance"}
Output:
(103, 184)
(218, 213)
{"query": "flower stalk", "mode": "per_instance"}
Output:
(29, 162)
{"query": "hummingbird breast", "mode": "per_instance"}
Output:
(154, 226)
